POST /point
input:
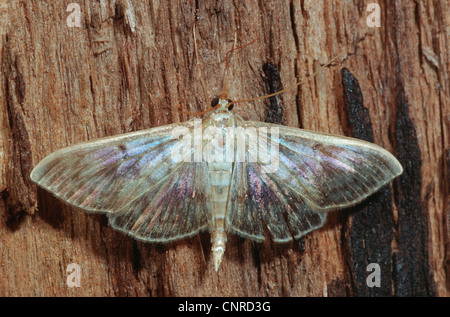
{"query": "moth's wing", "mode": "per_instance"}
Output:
(256, 199)
(315, 173)
(129, 177)
(174, 208)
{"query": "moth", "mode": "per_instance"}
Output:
(156, 187)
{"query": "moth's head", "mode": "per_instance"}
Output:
(224, 104)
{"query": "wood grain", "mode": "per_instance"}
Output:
(131, 65)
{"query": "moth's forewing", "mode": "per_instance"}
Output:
(331, 171)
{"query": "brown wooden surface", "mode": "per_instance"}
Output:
(129, 67)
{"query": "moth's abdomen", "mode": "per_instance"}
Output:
(220, 177)
(219, 153)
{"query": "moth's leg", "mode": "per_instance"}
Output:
(200, 64)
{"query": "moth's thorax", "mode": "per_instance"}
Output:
(222, 119)
(219, 120)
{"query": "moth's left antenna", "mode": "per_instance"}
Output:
(223, 95)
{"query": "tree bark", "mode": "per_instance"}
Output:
(131, 64)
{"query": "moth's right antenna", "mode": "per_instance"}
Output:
(290, 87)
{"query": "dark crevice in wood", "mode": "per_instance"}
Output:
(447, 216)
(20, 198)
(358, 117)
(338, 288)
(52, 211)
(256, 255)
(412, 269)
(273, 84)
(12, 218)
(297, 45)
(119, 18)
(136, 260)
(292, 16)
(369, 233)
